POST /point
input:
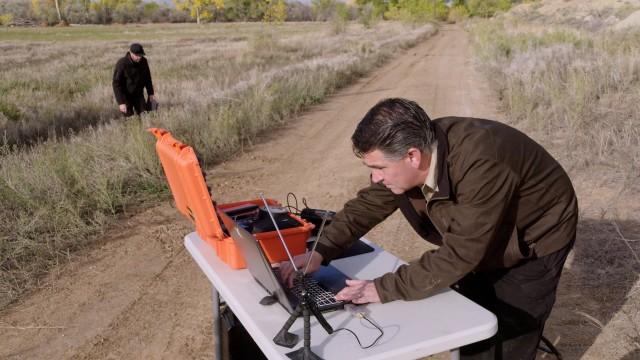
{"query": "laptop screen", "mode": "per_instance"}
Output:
(328, 280)
(256, 261)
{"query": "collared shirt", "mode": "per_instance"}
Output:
(430, 186)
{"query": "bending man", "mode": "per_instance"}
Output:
(502, 211)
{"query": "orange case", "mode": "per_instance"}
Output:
(193, 200)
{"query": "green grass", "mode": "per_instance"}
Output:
(141, 32)
(57, 195)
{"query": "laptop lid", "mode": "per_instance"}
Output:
(256, 260)
(330, 279)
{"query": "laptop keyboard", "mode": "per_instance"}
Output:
(322, 297)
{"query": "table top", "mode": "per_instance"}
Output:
(412, 329)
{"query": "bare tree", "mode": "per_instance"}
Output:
(58, 11)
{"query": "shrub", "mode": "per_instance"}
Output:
(323, 10)
(487, 8)
(275, 12)
(297, 11)
(340, 18)
(573, 82)
(367, 16)
(458, 13)
(19, 9)
(417, 11)
(6, 19)
(9, 110)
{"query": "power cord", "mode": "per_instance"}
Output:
(361, 316)
(295, 207)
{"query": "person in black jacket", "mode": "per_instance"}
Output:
(130, 77)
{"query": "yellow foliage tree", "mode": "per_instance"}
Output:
(5, 19)
(275, 11)
(41, 8)
(199, 9)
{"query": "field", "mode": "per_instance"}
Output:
(92, 261)
(69, 164)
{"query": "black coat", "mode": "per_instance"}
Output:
(130, 79)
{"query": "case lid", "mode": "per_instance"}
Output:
(187, 184)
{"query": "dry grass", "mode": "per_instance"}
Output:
(218, 85)
(582, 86)
(578, 92)
(593, 15)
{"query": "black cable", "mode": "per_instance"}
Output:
(289, 207)
(356, 336)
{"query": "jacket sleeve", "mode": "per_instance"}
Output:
(471, 229)
(371, 206)
(119, 83)
(148, 82)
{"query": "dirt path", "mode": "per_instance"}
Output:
(139, 294)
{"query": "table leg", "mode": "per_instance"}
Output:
(455, 354)
(217, 334)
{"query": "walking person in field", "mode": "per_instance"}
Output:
(130, 77)
(500, 208)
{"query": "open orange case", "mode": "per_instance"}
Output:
(193, 200)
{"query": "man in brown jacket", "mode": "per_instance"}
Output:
(502, 211)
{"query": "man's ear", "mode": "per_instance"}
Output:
(415, 157)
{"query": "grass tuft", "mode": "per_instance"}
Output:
(578, 84)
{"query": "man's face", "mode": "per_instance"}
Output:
(397, 175)
(135, 58)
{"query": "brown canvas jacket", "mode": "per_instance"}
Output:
(501, 199)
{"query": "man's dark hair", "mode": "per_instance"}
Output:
(393, 126)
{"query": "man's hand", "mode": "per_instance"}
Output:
(287, 273)
(359, 292)
(152, 98)
(123, 108)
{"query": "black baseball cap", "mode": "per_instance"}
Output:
(136, 49)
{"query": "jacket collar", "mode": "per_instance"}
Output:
(444, 186)
(128, 56)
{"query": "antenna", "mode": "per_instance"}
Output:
(306, 307)
(286, 248)
(324, 220)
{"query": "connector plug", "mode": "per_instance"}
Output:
(354, 310)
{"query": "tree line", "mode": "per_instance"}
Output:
(63, 12)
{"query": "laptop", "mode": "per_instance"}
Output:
(322, 285)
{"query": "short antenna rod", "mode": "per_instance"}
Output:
(324, 220)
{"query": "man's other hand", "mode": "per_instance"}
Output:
(287, 272)
(359, 292)
(123, 108)
(152, 98)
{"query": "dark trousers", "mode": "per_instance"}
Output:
(521, 297)
(135, 103)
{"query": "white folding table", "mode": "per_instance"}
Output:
(412, 329)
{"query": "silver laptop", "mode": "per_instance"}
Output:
(322, 285)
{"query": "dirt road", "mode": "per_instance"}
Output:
(139, 295)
